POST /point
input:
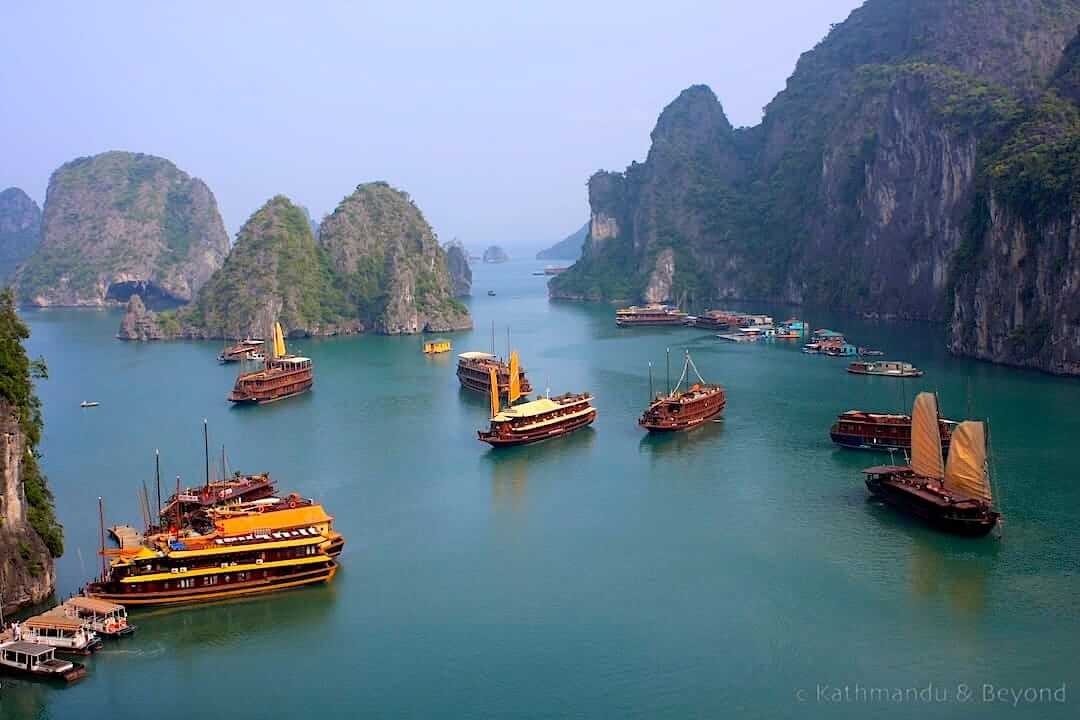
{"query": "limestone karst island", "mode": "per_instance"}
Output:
(653, 360)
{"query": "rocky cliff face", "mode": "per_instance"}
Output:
(29, 574)
(20, 230)
(394, 271)
(1016, 275)
(139, 323)
(859, 188)
(30, 536)
(122, 223)
(275, 271)
(376, 266)
(457, 262)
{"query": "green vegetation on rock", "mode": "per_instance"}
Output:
(275, 271)
(17, 371)
(376, 265)
(117, 220)
(393, 272)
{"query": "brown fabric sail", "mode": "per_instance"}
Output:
(965, 473)
(926, 438)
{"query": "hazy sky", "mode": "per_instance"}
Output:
(492, 115)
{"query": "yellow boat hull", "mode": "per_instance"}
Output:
(308, 577)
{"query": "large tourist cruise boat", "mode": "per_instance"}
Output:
(953, 496)
(541, 419)
(474, 372)
(260, 548)
(652, 314)
(197, 569)
(683, 409)
(281, 377)
(862, 430)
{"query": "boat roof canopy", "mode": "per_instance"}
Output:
(57, 621)
(529, 409)
(293, 359)
(476, 355)
(94, 604)
(29, 648)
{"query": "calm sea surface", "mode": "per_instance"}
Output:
(738, 569)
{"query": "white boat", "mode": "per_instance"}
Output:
(88, 404)
(55, 629)
(104, 618)
(38, 660)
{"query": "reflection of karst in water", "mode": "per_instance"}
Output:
(962, 577)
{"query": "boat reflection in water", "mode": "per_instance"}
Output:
(940, 573)
(509, 480)
(287, 614)
(510, 468)
(659, 445)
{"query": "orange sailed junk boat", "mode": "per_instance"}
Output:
(683, 409)
(283, 376)
(541, 419)
(953, 496)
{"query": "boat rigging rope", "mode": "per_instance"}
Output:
(688, 363)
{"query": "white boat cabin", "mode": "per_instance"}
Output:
(32, 657)
(59, 631)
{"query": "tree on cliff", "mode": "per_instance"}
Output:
(17, 371)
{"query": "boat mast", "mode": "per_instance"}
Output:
(101, 528)
(177, 503)
(669, 372)
(650, 383)
(157, 479)
(493, 338)
(144, 505)
(206, 451)
(224, 469)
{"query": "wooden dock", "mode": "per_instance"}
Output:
(126, 536)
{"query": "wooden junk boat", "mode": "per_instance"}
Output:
(887, 368)
(475, 372)
(246, 349)
(683, 409)
(860, 430)
(541, 419)
(716, 320)
(652, 314)
(281, 377)
(238, 488)
(953, 496)
(38, 661)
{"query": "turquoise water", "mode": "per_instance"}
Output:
(736, 569)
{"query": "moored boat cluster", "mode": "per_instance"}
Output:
(227, 538)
